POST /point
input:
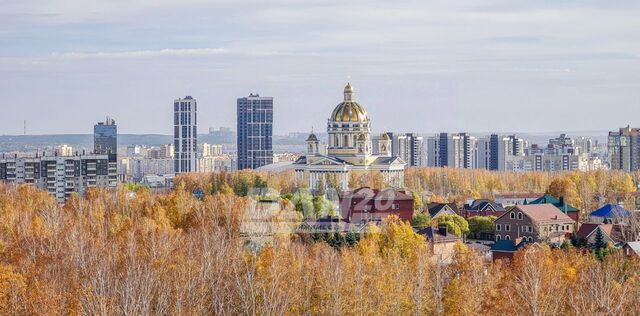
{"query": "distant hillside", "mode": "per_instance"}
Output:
(11, 143)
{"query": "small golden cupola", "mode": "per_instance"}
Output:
(312, 143)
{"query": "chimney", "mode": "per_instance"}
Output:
(563, 206)
(442, 229)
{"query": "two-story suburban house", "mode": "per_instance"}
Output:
(534, 223)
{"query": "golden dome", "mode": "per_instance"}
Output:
(349, 110)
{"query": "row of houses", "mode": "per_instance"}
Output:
(542, 219)
(485, 207)
(548, 220)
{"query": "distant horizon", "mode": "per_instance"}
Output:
(542, 133)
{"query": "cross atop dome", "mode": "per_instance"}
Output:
(348, 92)
(348, 88)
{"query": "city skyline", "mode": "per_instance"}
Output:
(449, 65)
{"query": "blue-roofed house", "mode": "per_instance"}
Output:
(609, 214)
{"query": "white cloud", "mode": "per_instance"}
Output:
(167, 52)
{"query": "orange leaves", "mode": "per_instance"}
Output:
(12, 290)
(113, 252)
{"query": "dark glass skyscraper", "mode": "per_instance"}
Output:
(185, 134)
(255, 131)
(494, 152)
(105, 138)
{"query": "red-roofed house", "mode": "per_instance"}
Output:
(534, 223)
(367, 205)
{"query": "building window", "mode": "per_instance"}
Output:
(498, 227)
(519, 215)
(507, 237)
(512, 215)
(530, 229)
(395, 206)
(507, 228)
(498, 238)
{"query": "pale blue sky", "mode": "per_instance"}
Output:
(421, 66)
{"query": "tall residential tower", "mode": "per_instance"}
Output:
(410, 148)
(624, 149)
(185, 135)
(255, 131)
(456, 150)
(494, 151)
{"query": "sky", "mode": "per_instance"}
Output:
(416, 66)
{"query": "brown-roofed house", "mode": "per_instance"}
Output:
(534, 223)
(366, 205)
(441, 242)
(587, 232)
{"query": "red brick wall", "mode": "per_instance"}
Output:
(374, 210)
(504, 256)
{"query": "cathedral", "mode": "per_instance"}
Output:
(349, 150)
